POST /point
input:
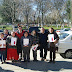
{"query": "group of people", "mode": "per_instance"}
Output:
(11, 46)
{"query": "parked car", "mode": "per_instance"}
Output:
(34, 28)
(62, 30)
(65, 44)
(37, 29)
(1, 31)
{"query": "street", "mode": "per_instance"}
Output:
(61, 65)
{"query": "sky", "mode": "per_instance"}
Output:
(1, 1)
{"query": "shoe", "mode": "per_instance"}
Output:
(53, 61)
(2, 63)
(28, 61)
(20, 59)
(42, 59)
(5, 62)
(13, 60)
(24, 60)
(45, 59)
(35, 60)
(50, 61)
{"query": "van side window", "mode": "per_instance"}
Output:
(63, 36)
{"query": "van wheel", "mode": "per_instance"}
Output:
(68, 54)
(62, 54)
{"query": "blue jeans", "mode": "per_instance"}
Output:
(3, 55)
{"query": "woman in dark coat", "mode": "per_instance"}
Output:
(26, 43)
(35, 40)
(52, 44)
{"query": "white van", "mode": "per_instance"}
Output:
(65, 44)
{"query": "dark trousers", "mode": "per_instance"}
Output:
(26, 53)
(45, 52)
(19, 50)
(35, 55)
(52, 51)
(3, 55)
(52, 55)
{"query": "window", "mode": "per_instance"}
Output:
(63, 35)
(67, 29)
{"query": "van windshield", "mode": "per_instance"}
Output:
(63, 36)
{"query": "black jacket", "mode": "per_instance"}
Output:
(30, 41)
(43, 39)
(8, 40)
(35, 39)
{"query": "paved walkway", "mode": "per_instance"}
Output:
(61, 65)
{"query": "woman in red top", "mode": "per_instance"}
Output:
(12, 42)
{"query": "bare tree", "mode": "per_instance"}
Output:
(43, 6)
(53, 15)
(60, 6)
(25, 9)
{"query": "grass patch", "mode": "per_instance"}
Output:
(9, 27)
(55, 27)
(6, 27)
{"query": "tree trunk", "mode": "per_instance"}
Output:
(27, 20)
(42, 19)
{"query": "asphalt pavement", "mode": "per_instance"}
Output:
(61, 65)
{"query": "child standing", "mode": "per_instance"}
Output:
(2, 48)
(26, 45)
(12, 42)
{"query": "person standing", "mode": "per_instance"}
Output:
(12, 42)
(2, 48)
(26, 43)
(35, 40)
(52, 45)
(6, 33)
(43, 44)
(19, 33)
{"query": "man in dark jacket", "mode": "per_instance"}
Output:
(19, 33)
(43, 44)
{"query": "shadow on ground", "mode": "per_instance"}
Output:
(44, 66)
(2, 70)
